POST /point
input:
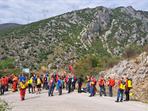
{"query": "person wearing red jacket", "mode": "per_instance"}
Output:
(101, 83)
(6, 83)
(111, 83)
(2, 82)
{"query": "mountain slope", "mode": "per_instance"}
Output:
(8, 26)
(71, 36)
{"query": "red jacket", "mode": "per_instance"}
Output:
(0, 80)
(66, 79)
(3, 81)
(111, 82)
(101, 81)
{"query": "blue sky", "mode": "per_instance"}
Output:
(26, 11)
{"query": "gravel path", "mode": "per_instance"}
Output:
(69, 102)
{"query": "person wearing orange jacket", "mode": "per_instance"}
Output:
(15, 83)
(101, 83)
(121, 88)
(111, 83)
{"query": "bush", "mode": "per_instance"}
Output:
(93, 64)
(132, 51)
(7, 66)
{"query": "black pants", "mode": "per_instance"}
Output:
(73, 86)
(79, 88)
(30, 88)
(6, 87)
(127, 94)
(60, 90)
(69, 87)
(2, 89)
(45, 85)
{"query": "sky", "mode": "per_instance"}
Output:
(27, 11)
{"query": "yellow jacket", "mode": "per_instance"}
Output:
(23, 85)
(30, 81)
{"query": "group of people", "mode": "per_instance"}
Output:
(36, 82)
(123, 85)
(7, 81)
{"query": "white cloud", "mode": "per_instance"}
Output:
(24, 11)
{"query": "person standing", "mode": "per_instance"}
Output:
(2, 87)
(15, 83)
(23, 86)
(88, 83)
(80, 83)
(6, 83)
(101, 83)
(66, 81)
(74, 80)
(111, 83)
(45, 82)
(92, 87)
(59, 86)
(121, 88)
(69, 83)
(128, 87)
(30, 81)
(51, 85)
(39, 83)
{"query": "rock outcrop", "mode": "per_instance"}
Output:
(137, 69)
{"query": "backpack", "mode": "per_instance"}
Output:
(39, 81)
(129, 83)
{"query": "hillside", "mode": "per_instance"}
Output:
(71, 37)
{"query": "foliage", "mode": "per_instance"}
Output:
(7, 66)
(92, 64)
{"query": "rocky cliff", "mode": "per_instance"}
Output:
(137, 69)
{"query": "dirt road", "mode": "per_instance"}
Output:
(69, 102)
